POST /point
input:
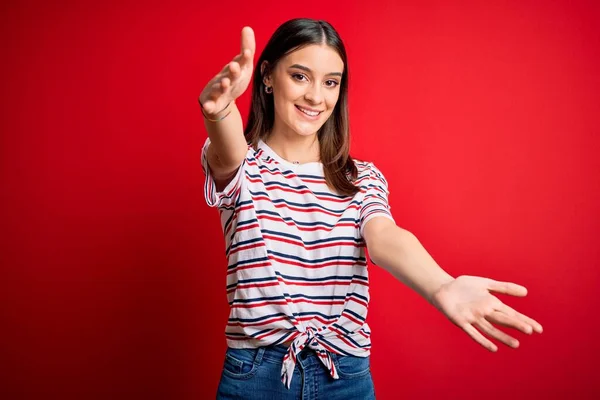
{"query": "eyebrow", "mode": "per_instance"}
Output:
(302, 67)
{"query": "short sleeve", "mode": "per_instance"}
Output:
(230, 194)
(375, 202)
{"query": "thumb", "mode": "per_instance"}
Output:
(507, 288)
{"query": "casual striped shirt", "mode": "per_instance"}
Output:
(297, 267)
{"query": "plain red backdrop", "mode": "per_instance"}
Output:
(484, 117)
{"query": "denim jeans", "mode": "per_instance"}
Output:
(255, 374)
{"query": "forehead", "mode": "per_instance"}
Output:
(319, 58)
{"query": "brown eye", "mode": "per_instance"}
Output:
(295, 76)
(333, 84)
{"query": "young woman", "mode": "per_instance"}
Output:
(297, 213)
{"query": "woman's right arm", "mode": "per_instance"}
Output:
(228, 145)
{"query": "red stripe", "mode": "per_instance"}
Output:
(252, 285)
(343, 339)
(314, 246)
(303, 191)
(266, 322)
(351, 318)
(305, 210)
(245, 228)
(247, 247)
(361, 302)
(284, 302)
(314, 266)
(310, 180)
(268, 334)
(234, 270)
(328, 348)
(308, 229)
(320, 283)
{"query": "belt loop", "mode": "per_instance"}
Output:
(259, 355)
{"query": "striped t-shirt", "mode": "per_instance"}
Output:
(296, 267)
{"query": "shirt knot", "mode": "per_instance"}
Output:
(310, 337)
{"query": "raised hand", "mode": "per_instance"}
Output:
(233, 79)
(468, 303)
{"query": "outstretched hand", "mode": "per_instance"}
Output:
(468, 302)
(233, 79)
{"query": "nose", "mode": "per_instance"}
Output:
(314, 94)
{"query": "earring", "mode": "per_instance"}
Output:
(268, 89)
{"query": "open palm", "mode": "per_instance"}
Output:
(234, 78)
(468, 302)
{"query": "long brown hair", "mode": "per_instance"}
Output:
(334, 136)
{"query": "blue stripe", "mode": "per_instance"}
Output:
(247, 222)
(328, 278)
(265, 317)
(360, 296)
(310, 224)
(258, 319)
(303, 205)
(245, 242)
(317, 260)
(261, 332)
(347, 337)
(286, 295)
(282, 339)
(335, 347)
(250, 261)
(348, 311)
(243, 281)
(299, 187)
(313, 242)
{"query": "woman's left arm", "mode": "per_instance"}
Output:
(467, 300)
(400, 253)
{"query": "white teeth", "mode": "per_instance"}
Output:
(311, 113)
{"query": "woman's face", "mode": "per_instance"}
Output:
(306, 87)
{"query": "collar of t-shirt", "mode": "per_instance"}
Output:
(314, 167)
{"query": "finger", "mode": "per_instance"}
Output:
(208, 106)
(248, 41)
(496, 333)
(216, 91)
(537, 327)
(234, 70)
(209, 103)
(509, 322)
(225, 83)
(479, 338)
(507, 288)
(223, 72)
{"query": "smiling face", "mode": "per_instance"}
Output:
(306, 88)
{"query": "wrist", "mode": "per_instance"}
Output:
(219, 115)
(434, 296)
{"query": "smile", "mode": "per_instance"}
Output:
(308, 113)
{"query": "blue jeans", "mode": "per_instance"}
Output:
(254, 374)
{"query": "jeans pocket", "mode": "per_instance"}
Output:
(240, 363)
(350, 367)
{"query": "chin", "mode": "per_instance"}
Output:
(305, 132)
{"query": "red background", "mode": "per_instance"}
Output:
(483, 117)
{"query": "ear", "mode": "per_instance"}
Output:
(266, 78)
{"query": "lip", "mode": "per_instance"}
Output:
(308, 117)
(310, 109)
